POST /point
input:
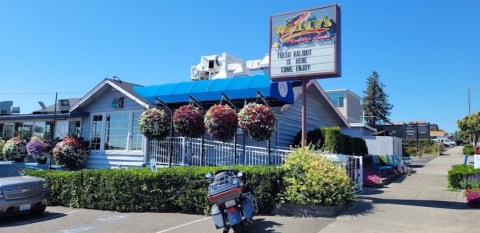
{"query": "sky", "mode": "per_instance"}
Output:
(427, 53)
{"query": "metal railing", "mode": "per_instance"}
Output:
(186, 151)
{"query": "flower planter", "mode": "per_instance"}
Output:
(221, 122)
(257, 121)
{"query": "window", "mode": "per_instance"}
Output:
(96, 132)
(116, 131)
(136, 142)
(394, 132)
(340, 101)
(8, 131)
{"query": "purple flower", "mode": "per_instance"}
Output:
(35, 147)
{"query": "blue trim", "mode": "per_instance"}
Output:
(211, 90)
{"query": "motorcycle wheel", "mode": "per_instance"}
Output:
(239, 228)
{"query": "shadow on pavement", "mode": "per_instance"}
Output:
(261, 225)
(421, 203)
(25, 219)
(361, 207)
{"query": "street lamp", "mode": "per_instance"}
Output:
(468, 90)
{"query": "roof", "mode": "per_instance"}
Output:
(297, 90)
(51, 108)
(125, 88)
(207, 92)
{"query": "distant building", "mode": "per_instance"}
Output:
(348, 103)
(408, 130)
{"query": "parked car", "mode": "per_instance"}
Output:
(20, 193)
(445, 142)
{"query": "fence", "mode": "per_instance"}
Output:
(384, 145)
(185, 152)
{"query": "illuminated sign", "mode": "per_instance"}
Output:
(305, 44)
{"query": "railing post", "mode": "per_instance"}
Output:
(269, 152)
(360, 172)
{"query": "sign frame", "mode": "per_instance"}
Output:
(336, 41)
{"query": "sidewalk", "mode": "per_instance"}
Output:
(419, 202)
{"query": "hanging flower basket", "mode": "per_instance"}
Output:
(14, 149)
(38, 149)
(72, 152)
(257, 121)
(221, 122)
(154, 124)
(188, 121)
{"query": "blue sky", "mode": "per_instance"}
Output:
(426, 52)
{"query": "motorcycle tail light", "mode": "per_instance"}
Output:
(231, 210)
(230, 203)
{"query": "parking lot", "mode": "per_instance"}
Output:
(69, 220)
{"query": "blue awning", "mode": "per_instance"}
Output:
(209, 91)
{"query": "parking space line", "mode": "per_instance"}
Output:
(186, 224)
(72, 212)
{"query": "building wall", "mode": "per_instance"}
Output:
(319, 114)
(102, 103)
(353, 108)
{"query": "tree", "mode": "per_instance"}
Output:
(375, 102)
(470, 125)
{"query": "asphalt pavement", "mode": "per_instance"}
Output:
(419, 202)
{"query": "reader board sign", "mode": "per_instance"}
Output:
(305, 44)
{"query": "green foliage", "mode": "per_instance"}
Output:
(424, 146)
(342, 144)
(375, 101)
(468, 149)
(178, 189)
(315, 139)
(310, 179)
(458, 174)
(470, 125)
(332, 135)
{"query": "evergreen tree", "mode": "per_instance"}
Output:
(375, 102)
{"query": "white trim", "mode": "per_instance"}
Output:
(128, 94)
(99, 87)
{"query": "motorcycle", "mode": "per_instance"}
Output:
(234, 205)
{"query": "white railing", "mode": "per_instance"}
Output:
(187, 151)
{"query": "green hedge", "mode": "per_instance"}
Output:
(468, 149)
(331, 140)
(179, 189)
(459, 175)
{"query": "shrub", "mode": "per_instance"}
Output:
(315, 139)
(468, 149)
(71, 152)
(188, 121)
(221, 122)
(154, 124)
(177, 189)
(310, 179)
(257, 121)
(461, 176)
(14, 149)
(332, 135)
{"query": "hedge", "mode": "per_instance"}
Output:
(331, 140)
(459, 174)
(178, 189)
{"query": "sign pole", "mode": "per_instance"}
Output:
(304, 112)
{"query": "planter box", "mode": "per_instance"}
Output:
(297, 210)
